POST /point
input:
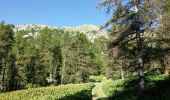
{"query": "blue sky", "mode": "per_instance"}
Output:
(52, 12)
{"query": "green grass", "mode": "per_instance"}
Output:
(157, 88)
(64, 92)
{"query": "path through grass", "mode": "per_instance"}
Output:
(98, 93)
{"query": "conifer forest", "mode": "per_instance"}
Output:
(126, 58)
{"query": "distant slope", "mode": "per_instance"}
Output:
(91, 31)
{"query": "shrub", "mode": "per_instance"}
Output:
(30, 85)
(98, 78)
(63, 92)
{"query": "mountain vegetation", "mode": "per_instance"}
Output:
(128, 58)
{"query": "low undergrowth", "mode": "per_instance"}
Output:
(63, 92)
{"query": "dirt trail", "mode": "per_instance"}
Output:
(98, 93)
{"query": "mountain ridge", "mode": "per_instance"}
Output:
(90, 30)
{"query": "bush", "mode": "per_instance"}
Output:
(63, 92)
(157, 88)
(110, 87)
(30, 85)
(98, 78)
(155, 71)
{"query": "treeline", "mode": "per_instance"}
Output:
(31, 58)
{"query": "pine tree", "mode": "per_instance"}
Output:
(7, 40)
(21, 58)
(138, 16)
(164, 35)
(57, 56)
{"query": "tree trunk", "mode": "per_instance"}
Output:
(56, 75)
(141, 76)
(139, 50)
(166, 70)
(3, 76)
(140, 66)
(122, 71)
(164, 65)
(163, 61)
(62, 72)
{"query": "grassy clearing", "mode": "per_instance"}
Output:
(64, 92)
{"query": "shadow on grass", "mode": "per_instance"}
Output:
(158, 91)
(83, 95)
(103, 98)
(155, 90)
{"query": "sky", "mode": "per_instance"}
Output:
(52, 12)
